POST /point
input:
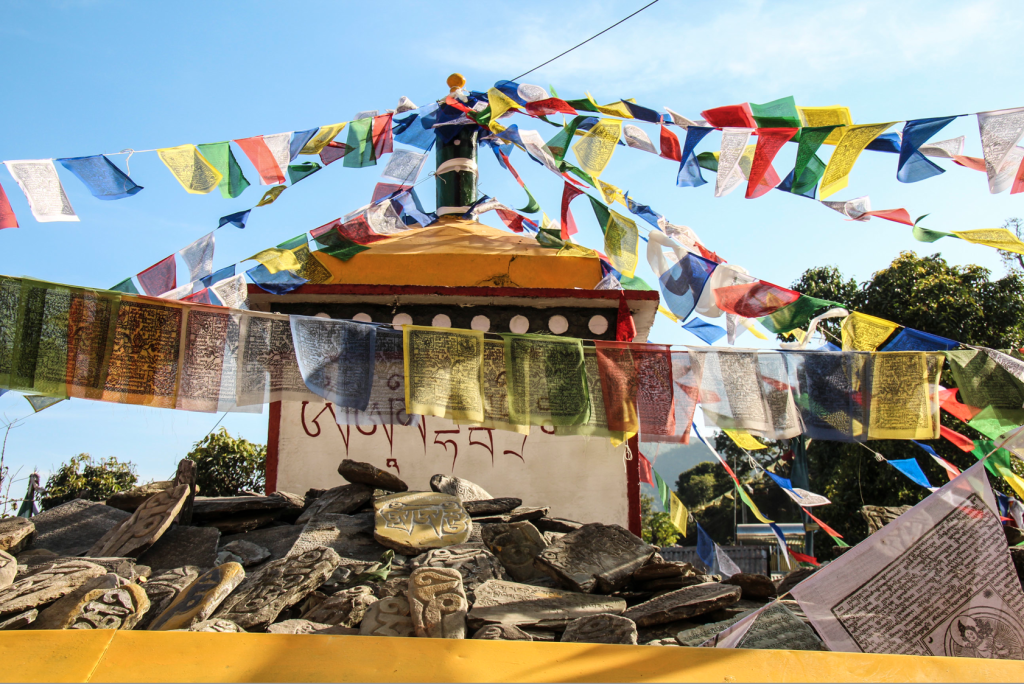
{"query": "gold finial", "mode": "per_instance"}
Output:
(456, 82)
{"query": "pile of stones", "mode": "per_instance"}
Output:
(370, 558)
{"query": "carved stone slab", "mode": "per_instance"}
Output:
(249, 553)
(556, 525)
(344, 499)
(516, 545)
(107, 602)
(601, 629)
(753, 586)
(501, 632)
(297, 626)
(279, 541)
(215, 626)
(595, 556)
(346, 608)
(276, 586)
(476, 565)
(522, 604)
(15, 534)
(8, 569)
(19, 621)
(198, 601)
(388, 617)
(351, 536)
(163, 588)
(491, 506)
(47, 586)
(777, 628)
(463, 490)
(413, 522)
(130, 499)
(659, 568)
(183, 545)
(364, 473)
(437, 603)
(123, 567)
(144, 527)
(683, 603)
(74, 527)
(698, 635)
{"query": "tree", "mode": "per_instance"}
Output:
(1012, 260)
(226, 466)
(83, 478)
(656, 527)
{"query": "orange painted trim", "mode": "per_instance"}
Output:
(273, 438)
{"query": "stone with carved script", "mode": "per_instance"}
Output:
(351, 536)
(15, 534)
(297, 626)
(388, 617)
(345, 608)
(344, 499)
(19, 621)
(491, 506)
(414, 522)
(596, 556)
(878, 517)
(106, 602)
(523, 604)
(215, 626)
(74, 527)
(695, 636)
(8, 569)
(45, 587)
(601, 629)
(753, 586)
(776, 627)
(516, 545)
(145, 526)
(463, 490)
(131, 499)
(437, 603)
(198, 600)
(276, 586)
(501, 632)
(476, 565)
(127, 568)
(250, 554)
(683, 603)
(163, 588)
(364, 473)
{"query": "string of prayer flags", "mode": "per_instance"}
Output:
(744, 440)
(38, 179)
(547, 381)
(233, 182)
(1000, 131)
(621, 238)
(951, 470)
(444, 372)
(198, 256)
(780, 539)
(689, 175)
(739, 487)
(913, 165)
(159, 278)
(104, 180)
(853, 142)
(270, 154)
(7, 217)
(238, 219)
(336, 359)
(322, 138)
(862, 332)
(594, 150)
(982, 383)
(708, 332)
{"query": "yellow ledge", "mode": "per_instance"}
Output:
(107, 656)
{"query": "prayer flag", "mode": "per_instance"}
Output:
(7, 217)
(646, 473)
(1000, 131)
(404, 167)
(621, 238)
(299, 141)
(222, 274)
(779, 113)
(708, 332)
(333, 152)
(38, 179)
(804, 558)
(865, 333)
(999, 238)
(683, 282)
(670, 145)
(781, 540)
(625, 328)
(271, 195)
(238, 219)
(909, 339)
(912, 469)
(201, 297)
(195, 173)
(642, 210)
(705, 548)
(416, 127)
(336, 358)
(270, 155)
(275, 259)
(956, 438)
(126, 286)
(753, 300)
(853, 142)
(817, 117)
(904, 395)
(795, 315)
(104, 180)
(769, 142)
(383, 139)
(569, 193)
(297, 172)
(500, 104)
(198, 257)
(595, 148)
(637, 138)
(678, 513)
(951, 470)
(730, 116)
(274, 283)
(40, 403)
(663, 491)
(913, 165)
(744, 440)
(688, 175)
(360, 141)
(323, 137)
(159, 278)
(444, 372)
(233, 291)
(232, 183)
(734, 143)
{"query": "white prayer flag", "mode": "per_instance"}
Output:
(232, 292)
(279, 145)
(38, 179)
(1000, 130)
(734, 142)
(199, 257)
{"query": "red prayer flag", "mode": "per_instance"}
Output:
(730, 116)
(754, 300)
(263, 159)
(709, 255)
(333, 152)
(511, 219)
(897, 215)
(803, 558)
(646, 473)
(961, 442)
(825, 528)
(569, 193)
(949, 404)
(358, 230)
(670, 145)
(383, 140)
(201, 297)
(159, 278)
(382, 190)
(1018, 180)
(625, 328)
(970, 162)
(618, 385)
(769, 142)
(552, 105)
(7, 217)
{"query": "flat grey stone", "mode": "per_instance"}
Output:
(595, 557)
(130, 499)
(47, 586)
(351, 536)
(72, 528)
(522, 604)
(248, 553)
(277, 540)
(556, 525)
(501, 632)
(777, 628)
(491, 506)
(19, 621)
(145, 526)
(183, 546)
(516, 545)
(463, 490)
(15, 534)
(696, 636)
(753, 586)
(344, 499)
(163, 588)
(683, 603)
(358, 472)
(601, 629)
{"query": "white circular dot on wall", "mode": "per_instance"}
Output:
(362, 318)
(558, 324)
(519, 324)
(481, 323)
(598, 325)
(401, 319)
(441, 321)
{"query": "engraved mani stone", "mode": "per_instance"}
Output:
(15, 534)
(491, 506)
(501, 632)
(47, 586)
(683, 603)
(476, 565)
(523, 604)
(146, 525)
(753, 586)
(347, 608)
(595, 557)
(124, 567)
(297, 626)
(358, 472)
(215, 626)
(105, 603)
(698, 635)
(250, 554)
(8, 569)
(601, 629)
(164, 588)
(74, 527)
(344, 499)
(198, 600)
(388, 617)
(414, 522)
(276, 586)
(463, 490)
(516, 545)
(19, 621)
(777, 628)
(437, 603)
(351, 536)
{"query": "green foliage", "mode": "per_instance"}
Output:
(225, 465)
(656, 527)
(83, 478)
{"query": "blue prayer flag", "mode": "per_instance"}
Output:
(416, 127)
(275, 283)
(783, 482)
(705, 331)
(887, 142)
(915, 340)
(689, 171)
(912, 469)
(299, 140)
(914, 166)
(683, 282)
(222, 274)
(705, 547)
(104, 180)
(643, 211)
(237, 219)
(642, 113)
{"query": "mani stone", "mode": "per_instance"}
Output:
(753, 586)
(786, 584)
(47, 586)
(388, 617)
(183, 545)
(8, 569)
(502, 633)
(72, 528)
(345, 609)
(601, 629)
(130, 499)
(696, 636)
(249, 554)
(522, 604)
(146, 525)
(198, 600)
(343, 499)
(491, 506)
(515, 545)
(278, 585)
(186, 474)
(106, 602)
(414, 522)
(476, 565)
(163, 588)
(777, 628)
(124, 567)
(659, 568)
(215, 626)
(358, 472)
(437, 603)
(463, 490)
(15, 534)
(18, 621)
(296, 626)
(878, 517)
(277, 540)
(595, 556)
(350, 536)
(683, 603)
(556, 525)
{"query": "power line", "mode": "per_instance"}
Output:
(584, 42)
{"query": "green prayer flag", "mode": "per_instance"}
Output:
(634, 283)
(922, 234)
(795, 315)
(776, 114)
(232, 182)
(583, 104)
(533, 206)
(995, 422)
(343, 252)
(984, 383)
(708, 160)
(808, 180)
(999, 459)
(360, 139)
(547, 380)
(297, 172)
(601, 212)
(811, 139)
(578, 172)
(663, 491)
(297, 241)
(126, 286)
(559, 144)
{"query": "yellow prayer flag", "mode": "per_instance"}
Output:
(904, 395)
(322, 138)
(677, 513)
(856, 138)
(275, 260)
(333, 265)
(622, 243)
(1000, 238)
(311, 269)
(270, 195)
(671, 316)
(864, 333)
(610, 193)
(595, 148)
(612, 109)
(193, 171)
(744, 440)
(827, 116)
(500, 103)
(573, 250)
(751, 505)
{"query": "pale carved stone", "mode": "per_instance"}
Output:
(15, 534)
(345, 499)
(683, 603)
(125, 567)
(107, 602)
(776, 627)
(347, 608)
(594, 557)
(501, 632)
(516, 545)
(601, 629)
(351, 536)
(753, 586)
(388, 617)
(463, 490)
(297, 626)
(72, 528)
(215, 626)
(276, 586)
(198, 601)
(437, 603)
(476, 565)
(8, 569)
(47, 586)
(414, 522)
(367, 474)
(147, 524)
(163, 588)
(19, 621)
(249, 554)
(522, 604)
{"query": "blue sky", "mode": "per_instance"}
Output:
(94, 76)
